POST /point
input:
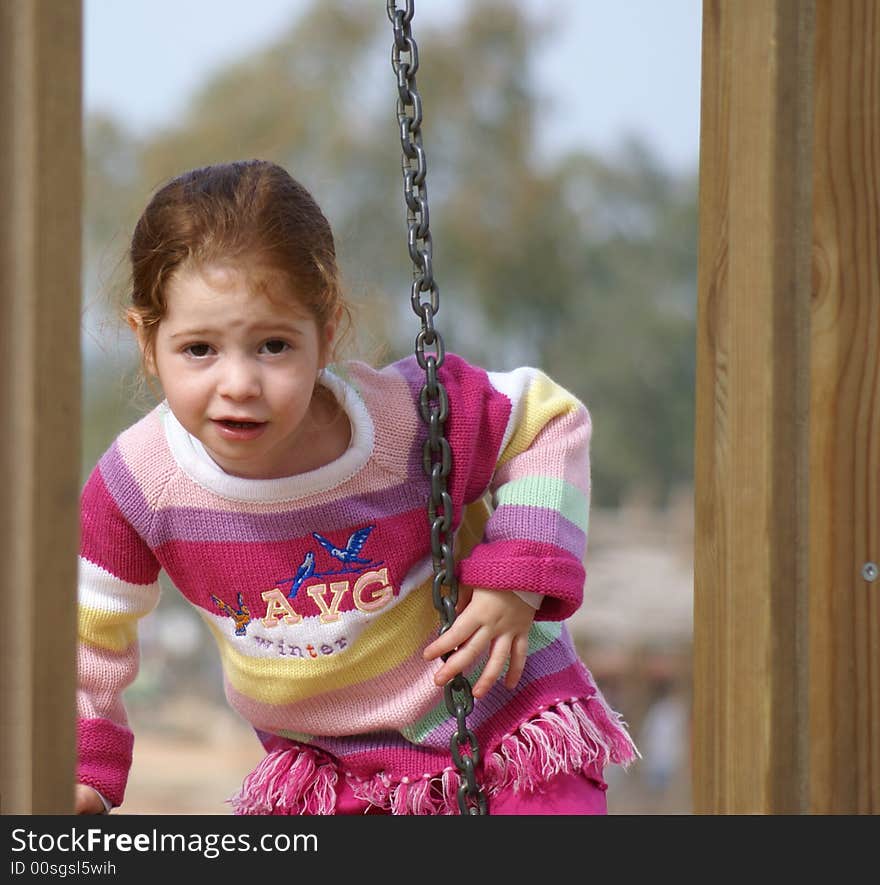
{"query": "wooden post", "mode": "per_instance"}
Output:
(752, 439)
(41, 184)
(845, 412)
(787, 631)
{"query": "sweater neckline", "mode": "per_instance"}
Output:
(194, 460)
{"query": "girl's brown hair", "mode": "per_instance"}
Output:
(248, 211)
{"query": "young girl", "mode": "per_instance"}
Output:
(285, 498)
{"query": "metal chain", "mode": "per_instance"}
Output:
(433, 400)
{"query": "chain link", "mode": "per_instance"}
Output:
(433, 400)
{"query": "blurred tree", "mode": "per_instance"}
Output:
(584, 265)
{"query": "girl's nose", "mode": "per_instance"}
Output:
(239, 379)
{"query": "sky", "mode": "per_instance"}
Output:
(616, 68)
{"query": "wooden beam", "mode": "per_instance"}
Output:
(845, 412)
(752, 435)
(41, 183)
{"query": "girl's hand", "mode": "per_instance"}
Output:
(496, 619)
(87, 801)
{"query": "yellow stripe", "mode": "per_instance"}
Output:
(544, 400)
(385, 644)
(114, 631)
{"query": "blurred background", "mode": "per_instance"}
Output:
(562, 147)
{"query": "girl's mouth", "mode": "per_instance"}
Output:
(240, 430)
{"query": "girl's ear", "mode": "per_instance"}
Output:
(331, 327)
(135, 321)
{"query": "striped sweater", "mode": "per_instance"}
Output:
(316, 589)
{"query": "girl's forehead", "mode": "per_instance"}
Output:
(202, 286)
(222, 275)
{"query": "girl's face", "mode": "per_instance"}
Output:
(239, 368)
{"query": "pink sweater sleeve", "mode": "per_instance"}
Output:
(117, 585)
(522, 441)
(535, 538)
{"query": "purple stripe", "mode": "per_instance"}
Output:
(196, 524)
(125, 490)
(521, 522)
(551, 659)
(413, 375)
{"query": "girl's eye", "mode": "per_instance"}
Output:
(197, 350)
(275, 346)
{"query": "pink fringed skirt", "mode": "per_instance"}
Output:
(551, 764)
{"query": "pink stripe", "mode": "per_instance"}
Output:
(540, 679)
(226, 568)
(560, 450)
(475, 428)
(108, 539)
(407, 759)
(478, 416)
(103, 757)
(392, 700)
(103, 675)
(391, 393)
(527, 565)
(143, 445)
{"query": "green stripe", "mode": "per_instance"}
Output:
(299, 736)
(542, 634)
(544, 491)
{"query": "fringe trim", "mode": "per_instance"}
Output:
(294, 779)
(564, 738)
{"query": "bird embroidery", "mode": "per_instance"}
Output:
(241, 616)
(305, 571)
(350, 553)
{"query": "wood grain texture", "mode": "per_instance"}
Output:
(845, 412)
(40, 229)
(787, 631)
(752, 440)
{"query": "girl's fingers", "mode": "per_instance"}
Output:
(467, 655)
(518, 655)
(455, 636)
(489, 622)
(464, 597)
(494, 666)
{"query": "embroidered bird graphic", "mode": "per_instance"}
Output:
(241, 616)
(305, 571)
(354, 545)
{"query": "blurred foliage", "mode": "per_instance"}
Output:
(583, 265)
